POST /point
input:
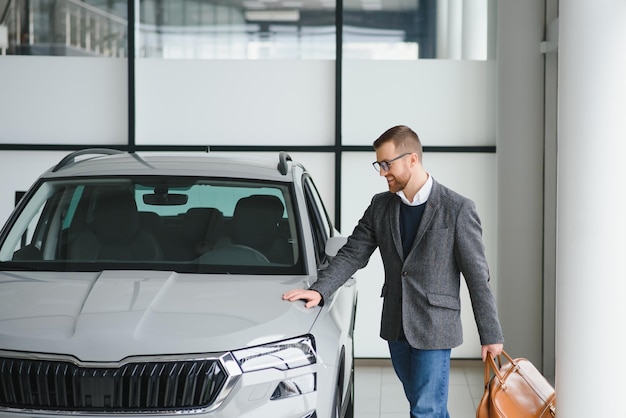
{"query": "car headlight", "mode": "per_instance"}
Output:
(281, 355)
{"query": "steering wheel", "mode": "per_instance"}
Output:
(242, 249)
(235, 254)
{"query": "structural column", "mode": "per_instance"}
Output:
(591, 213)
(474, 37)
(455, 29)
(520, 159)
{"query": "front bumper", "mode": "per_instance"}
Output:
(242, 395)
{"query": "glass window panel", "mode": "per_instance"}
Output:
(205, 29)
(66, 27)
(413, 29)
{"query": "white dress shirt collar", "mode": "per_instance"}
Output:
(421, 196)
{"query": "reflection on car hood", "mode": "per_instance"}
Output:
(115, 314)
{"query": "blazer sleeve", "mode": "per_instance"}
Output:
(472, 262)
(354, 255)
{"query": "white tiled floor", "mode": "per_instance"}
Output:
(378, 392)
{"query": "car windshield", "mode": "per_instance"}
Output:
(182, 224)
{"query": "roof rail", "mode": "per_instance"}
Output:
(70, 158)
(283, 158)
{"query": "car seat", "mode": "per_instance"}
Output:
(117, 232)
(199, 233)
(256, 223)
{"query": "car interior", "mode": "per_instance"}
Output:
(104, 223)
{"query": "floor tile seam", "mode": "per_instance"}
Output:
(370, 365)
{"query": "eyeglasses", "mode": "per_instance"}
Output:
(386, 165)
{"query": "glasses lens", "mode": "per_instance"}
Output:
(383, 165)
(386, 165)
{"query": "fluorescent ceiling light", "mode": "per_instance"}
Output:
(253, 5)
(371, 5)
(273, 15)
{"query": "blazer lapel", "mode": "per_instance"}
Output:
(432, 205)
(394, 223)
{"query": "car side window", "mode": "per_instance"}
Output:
(320, 222)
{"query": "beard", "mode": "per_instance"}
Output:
(396, 184)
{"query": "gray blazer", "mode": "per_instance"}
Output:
(421, 292)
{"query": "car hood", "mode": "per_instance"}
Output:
(112, 315)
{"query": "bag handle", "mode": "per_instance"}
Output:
(490, 364)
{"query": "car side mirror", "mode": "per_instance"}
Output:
(333, 245)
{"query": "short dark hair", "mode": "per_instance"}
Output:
(404, 138)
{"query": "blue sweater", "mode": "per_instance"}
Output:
(410, 217)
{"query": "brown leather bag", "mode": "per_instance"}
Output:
(516, 390)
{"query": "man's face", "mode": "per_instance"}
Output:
(399, 172)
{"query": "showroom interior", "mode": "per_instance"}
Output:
(519, 105)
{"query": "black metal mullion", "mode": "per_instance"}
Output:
(338, 113)
(131, 74)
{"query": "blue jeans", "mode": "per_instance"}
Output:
(425, 375)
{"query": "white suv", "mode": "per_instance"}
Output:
(150, 285)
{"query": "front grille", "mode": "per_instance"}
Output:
(135, 387)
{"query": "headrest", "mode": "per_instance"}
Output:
(255, 220)
(197, 221)
(263, 206)
(115, 216)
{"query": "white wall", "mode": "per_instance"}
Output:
(238, 102)
(447, 102)
(63, 100)
(241, 102)
(29, 165)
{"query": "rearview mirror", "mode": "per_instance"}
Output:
(165, 199)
